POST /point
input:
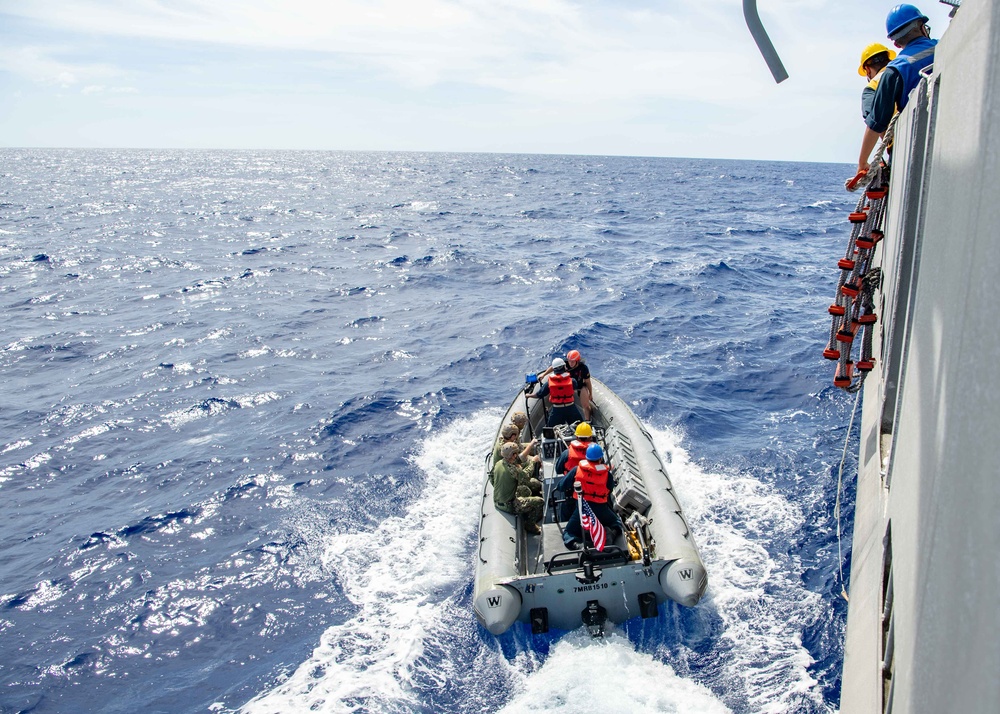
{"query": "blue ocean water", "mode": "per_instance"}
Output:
(246, 397)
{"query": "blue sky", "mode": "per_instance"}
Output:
(638, 77)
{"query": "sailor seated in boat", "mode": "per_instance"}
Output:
(560, 388)
(526, 456)
(577, 450)
(513, 489)
(519, 419)
(597, 482)
(580, 373)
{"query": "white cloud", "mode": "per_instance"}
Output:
(102, 89)
(40, 64)
(657, 73)
(423, 41)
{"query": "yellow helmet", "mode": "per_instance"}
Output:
(584, 430)
(870, 51)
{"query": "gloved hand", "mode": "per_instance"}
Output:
(852, 184)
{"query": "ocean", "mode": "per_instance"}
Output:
(246, 398)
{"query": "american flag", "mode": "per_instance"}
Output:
(593, 526)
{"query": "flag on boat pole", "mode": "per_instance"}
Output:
(590, 524)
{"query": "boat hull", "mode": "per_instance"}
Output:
(535, 579)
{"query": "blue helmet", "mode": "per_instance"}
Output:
(901, 16)
(595, 452)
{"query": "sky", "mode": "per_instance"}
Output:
(676, 78)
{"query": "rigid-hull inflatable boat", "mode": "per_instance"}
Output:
(536, 579)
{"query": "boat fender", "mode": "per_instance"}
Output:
(497, 608)
(684, 581)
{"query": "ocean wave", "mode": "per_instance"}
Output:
(263, 340)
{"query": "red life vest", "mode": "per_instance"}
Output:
(594, 480)
(561, 389)
(577, 453)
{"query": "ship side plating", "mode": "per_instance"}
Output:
(923, 620)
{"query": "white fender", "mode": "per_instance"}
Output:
(497, 608)
(684, 580)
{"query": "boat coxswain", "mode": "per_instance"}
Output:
(560, 388)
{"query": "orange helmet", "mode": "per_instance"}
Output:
(573, 355)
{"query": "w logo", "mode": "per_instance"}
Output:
(495, 601)
(685, 574)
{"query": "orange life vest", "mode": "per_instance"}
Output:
(577, 453)
(594, 480)
(561, 389)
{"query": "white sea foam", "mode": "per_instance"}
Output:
(404, 579)
(758, 594)
(586, 675)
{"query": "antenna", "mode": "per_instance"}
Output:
(955, 4)
(759, 35)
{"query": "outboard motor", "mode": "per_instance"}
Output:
(594, 617)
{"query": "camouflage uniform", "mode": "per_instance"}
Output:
(507, 432)
(513, 492)
(529, 464)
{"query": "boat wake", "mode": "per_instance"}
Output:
(413, 633)
(413, 644)
(584, 674)
(755, 588)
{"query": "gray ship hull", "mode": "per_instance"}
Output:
(923, 616)
(537, 580)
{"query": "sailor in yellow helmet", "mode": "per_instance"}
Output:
(874, 59)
